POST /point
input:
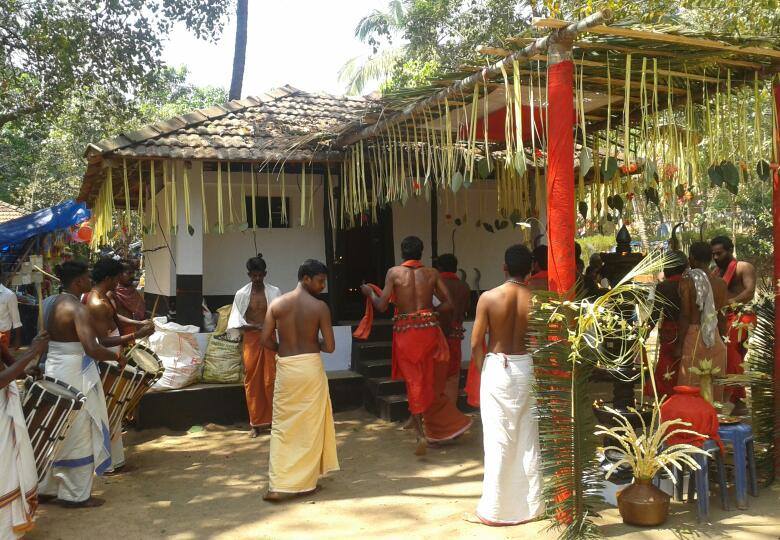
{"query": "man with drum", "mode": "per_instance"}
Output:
(105, 275)
(19, 478)
(86, 448)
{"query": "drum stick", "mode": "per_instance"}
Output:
(154, 309)
(39, 292)
(45, 273)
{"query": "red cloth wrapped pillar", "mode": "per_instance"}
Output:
(776, 235)
(560, 177)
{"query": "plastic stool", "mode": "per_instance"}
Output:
(699, 483)
(741, 438)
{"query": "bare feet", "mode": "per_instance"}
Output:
(124, 469)
(255, 431)
(92, 502)
(422, 447)
(275, 496)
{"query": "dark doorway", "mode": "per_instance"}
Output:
(364, 253)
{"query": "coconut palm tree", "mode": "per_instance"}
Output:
(239, 54)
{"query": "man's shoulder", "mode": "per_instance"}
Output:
(744, 265)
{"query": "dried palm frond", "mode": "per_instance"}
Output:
(760, 359)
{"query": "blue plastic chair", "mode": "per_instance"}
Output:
(699, 482)
(740, 438)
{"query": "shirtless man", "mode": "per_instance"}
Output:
(247, 316)
(452, 322)
(84, 450)
(105, 274)
(303, 437)
(512, 485)
(420, 351)
(537, 281)
(701, 322)
(740, 277)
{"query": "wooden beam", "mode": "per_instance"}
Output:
(646, 35)
(567, 33)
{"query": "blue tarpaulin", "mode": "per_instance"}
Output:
(42, 222)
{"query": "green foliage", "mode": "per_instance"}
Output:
(54, 52)
(40, 167)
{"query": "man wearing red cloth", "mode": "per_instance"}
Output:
(537, 281)
(452, 323)
(740, 277)
(128, 303)
(420, 351)
(668, 304)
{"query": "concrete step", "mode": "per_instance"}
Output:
(385, 386)
(226, 403)
(371, 350)
(393, 408)
(374, 368)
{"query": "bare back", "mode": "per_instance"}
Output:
(414, 288)
(63, 316)
(505, 310)
(460, 296)
(300, 318)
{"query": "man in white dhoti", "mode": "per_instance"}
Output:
(105, 275)
(512, 485)
(303, 437)
(86, 448)
(19, 478)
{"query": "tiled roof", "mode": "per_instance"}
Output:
(285, 124)
(9, 212)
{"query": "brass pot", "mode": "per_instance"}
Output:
(643, 504)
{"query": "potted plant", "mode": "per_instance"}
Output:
(646, 452)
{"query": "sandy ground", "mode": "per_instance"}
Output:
(208, 484)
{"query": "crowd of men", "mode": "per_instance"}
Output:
(287, 389)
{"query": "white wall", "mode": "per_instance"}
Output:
(225, 255)
(474, 246)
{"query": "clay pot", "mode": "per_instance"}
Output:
(643, 504)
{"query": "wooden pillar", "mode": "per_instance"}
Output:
(434, 224)
(560, 167)
(776, 239)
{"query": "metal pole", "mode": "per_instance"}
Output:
(563, 34)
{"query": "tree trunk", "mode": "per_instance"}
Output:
(239, 55)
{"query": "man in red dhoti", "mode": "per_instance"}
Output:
(452, 323)
(247, 316)
(128, 303)
(668, 305)
(740, 277)
(537, 281)
(420, 351)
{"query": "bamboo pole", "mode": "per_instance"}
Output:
(567, 32)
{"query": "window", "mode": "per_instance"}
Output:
(261, 215)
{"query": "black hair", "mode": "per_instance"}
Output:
(724, 241)
(256, 264)
(106, 268)
(518, 260)
(701, 252)
(69, 271)
(411, 248)
(540, 256)
(447, 262)
(311, 268)
(127, 264)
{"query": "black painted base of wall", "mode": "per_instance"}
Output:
(189, 299)
(225, 404)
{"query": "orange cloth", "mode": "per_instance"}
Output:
(667, 370)
(442, 420)
(364, 327)
(259, 378)
(415, 351)
(473, 381)
(456, 355)
(539, 281)
(5, 339)
(687, 405)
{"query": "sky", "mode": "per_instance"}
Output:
(302, 43)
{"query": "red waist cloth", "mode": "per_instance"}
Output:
(687, 405)
(737, 324)
(418, 343)
(667, 369)
(364, 327)
(473, 381)
(456, 355)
